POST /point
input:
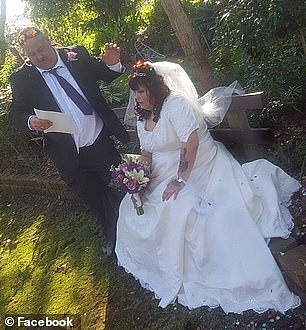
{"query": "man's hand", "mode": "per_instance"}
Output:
(39, 125)
(111, 55)
(173, 188)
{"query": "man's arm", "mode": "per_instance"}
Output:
(97, 67)
(20, 108)
(21, 113)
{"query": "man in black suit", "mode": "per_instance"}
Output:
(65, 80)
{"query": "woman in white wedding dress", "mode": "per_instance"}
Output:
(202, 238)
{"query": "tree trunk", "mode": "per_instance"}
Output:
(2, 31)
(301, 32)
(190, 43)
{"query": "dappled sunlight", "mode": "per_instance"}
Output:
(52, 262)
(104, 307)
(32, 294)
(97, 318)
(17, 267)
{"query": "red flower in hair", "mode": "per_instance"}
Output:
(141, 69)
(140, 65)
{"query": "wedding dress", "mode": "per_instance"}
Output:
(208, 246)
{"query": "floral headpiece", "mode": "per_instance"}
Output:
(27, 34)
(141, 69)
(139, 74)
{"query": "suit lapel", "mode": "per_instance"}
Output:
(41, 90)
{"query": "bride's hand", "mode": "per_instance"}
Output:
(134, 200)
(173, 188)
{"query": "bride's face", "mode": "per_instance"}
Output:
(143, 98)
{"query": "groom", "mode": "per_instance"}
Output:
(65, 80)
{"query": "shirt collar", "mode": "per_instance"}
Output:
(58, 64)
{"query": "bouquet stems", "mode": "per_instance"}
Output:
(139, 208)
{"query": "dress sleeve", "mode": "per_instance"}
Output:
(182, 117)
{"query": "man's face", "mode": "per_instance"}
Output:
(40, 52)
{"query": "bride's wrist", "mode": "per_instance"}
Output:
(180, 180)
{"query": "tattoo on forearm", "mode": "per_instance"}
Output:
(183, 166)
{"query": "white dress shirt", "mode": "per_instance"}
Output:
(88, 127)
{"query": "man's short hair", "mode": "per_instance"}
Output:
(27, 33)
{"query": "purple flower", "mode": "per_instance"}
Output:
(131, 186)
(123, 166)
(131, 175)
(131, 166)
(72, 56)
(120, 178)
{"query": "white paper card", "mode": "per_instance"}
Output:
(62, 122)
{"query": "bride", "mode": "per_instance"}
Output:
(202, 238)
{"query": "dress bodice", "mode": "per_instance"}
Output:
(177, 121)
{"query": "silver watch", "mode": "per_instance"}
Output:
(180, 180)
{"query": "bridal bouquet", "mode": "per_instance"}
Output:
(132, 175)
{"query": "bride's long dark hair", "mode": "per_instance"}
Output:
(145, 76)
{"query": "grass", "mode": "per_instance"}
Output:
(52, 262)
(19, 154)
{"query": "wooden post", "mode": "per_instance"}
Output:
(237, 117)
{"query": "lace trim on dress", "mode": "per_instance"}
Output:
(258, 307)
(141, 277)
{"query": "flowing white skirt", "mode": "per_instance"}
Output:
(208, 247)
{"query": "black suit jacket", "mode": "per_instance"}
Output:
(30, 91)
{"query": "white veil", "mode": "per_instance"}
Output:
(211, 107)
